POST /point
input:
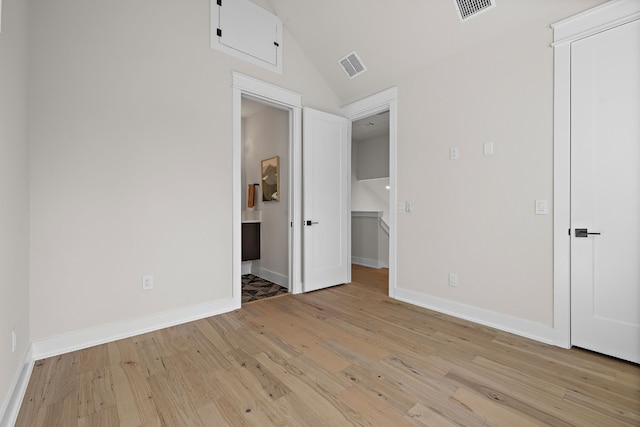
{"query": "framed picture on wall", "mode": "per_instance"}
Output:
(271, 179)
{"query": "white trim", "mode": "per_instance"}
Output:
(590, 22)
(377, 103)
(384, 226)
(372, 263)
(11, 406)
(503, 322)
(295, 202)
(273, 95)
(103, 334)
(266, 91)
(367, 214)
(247, 267)
(601, 18)
(272, 276)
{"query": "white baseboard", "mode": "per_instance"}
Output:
(373, 263)
(246, 267)
(115, 331)
(11, 406)
(503, 322)
(271, 276)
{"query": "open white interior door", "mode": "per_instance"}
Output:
(605, 192)
(326, 185)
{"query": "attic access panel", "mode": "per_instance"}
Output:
(244, 30)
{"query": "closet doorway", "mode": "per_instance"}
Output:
(370, 191)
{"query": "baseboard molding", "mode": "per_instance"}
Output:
(247, 266)
(373, 263)
(115, 331)
(503, 322)
(271, 276)
(11, 406)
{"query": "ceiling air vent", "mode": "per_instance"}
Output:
(469, 8)
(352, 65)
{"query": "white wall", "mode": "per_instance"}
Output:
(131, 123)
(267, 135)
(369, 241)
(373, 157)
(475, 216)
(14, 207)
(364, 237)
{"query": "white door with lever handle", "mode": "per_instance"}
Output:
(605, 192)
(326, 256)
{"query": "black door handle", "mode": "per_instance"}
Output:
(583, 232)
(311, 222)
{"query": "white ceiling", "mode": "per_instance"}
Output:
(401, 37)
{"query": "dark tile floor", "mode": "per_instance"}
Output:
(255, 288)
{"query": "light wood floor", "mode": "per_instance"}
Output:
(338, 357)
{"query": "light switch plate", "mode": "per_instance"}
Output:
(147, 282)
(542, 207)
(487, 148)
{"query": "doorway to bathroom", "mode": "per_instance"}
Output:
(265, 183)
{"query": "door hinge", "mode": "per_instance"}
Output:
(219, 2)
(219, 32)
(277, 44)
(569, 232)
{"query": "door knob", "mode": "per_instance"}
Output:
(583, 232)
(311, 222)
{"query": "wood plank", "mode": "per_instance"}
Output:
(106, 418)
(371, 409)
(133, 395)
(272, 386)
(96, 391)
(424, 416)
(497, 414)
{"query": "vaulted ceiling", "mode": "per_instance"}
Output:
(401, 37)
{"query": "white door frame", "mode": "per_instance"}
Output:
(590, 22)
(374, 104)
(274, 95)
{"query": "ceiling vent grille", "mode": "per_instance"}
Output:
(352, 65)
(469, 8)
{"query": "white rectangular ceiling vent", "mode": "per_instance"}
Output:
(352, 65)
(469, 8)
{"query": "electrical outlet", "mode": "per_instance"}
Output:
(14, 341)
(453, 279)
(147, 282)
(454, 153)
